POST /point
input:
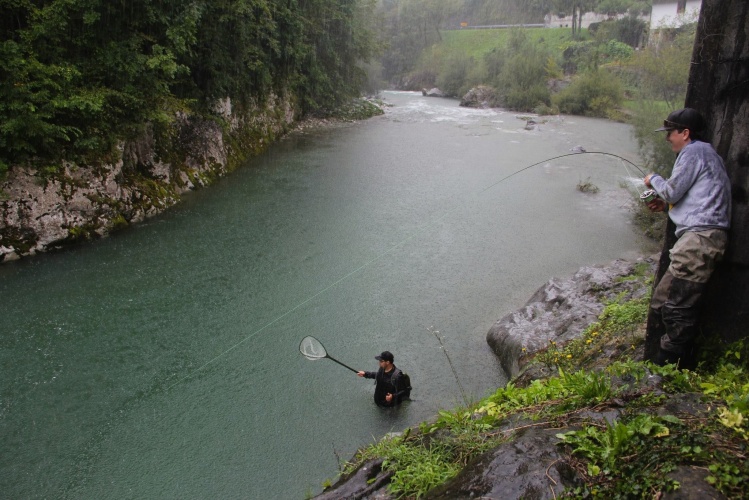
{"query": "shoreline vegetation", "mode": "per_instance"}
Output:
(584, 418)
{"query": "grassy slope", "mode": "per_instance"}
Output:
(476, 43)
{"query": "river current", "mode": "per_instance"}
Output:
(163, 362)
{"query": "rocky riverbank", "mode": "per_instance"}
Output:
(630, 429)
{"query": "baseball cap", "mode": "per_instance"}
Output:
(684, 118)
(385, 356)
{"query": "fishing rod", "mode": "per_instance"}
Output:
(449, 362)
(582, 152)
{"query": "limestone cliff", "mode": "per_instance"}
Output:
(40, 212)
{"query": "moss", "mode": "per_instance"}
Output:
(118, 222)
(22, 240)
(357, 109)
(82, 232)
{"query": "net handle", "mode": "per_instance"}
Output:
(343, 365)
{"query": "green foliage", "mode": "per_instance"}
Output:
(618, 319)
(603, 446)
(629, 30)
(658, 76)
(419, 463)
(588, 387)
(628, 448)
(590, 54)
(617, 455)
(79, 76)
(593, 93)
(511, 398)
(519, 72)
(453, 76)
(419, 469)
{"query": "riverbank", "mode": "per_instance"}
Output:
(40, 212)
(583, 417)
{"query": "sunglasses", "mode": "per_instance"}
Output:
(672, 125)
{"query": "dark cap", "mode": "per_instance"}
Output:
(385, 356)
(684, 118)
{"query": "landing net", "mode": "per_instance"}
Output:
(312, 349)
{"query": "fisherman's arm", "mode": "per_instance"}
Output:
(684, 174)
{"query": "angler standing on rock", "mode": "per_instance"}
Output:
(697, 197)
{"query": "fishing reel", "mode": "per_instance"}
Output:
(648, 196)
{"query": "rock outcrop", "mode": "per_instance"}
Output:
(435, 92)
(480, 97)
(559, 311)
(40, 211)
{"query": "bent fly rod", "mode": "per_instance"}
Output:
(581, 152)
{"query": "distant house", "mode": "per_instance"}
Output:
(673, 12)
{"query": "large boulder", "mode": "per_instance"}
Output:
(435, 92)
(559, 311)
(480, 97)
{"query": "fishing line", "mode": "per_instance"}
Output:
(379, 257)
(562, 156)
(450, 362)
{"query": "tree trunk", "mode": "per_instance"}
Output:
(719, 89)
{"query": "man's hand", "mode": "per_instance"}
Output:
(646, 180)
(657, 205)
(361, 374)
(388, 397)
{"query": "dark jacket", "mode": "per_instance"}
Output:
(387, 383)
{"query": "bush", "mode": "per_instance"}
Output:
(657, 152)
(527, 99)
(592, 94)
(628, 30)
(521, 73)
(452, 78)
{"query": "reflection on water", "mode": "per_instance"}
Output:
(163, 361)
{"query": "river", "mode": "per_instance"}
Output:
(163, 362)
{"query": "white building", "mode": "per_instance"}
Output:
(674, 13)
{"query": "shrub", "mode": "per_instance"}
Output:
(452, 78)
(521, 80)
(527, 99)
(592, 94)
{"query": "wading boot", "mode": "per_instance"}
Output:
(680, 314)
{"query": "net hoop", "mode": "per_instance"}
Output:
(312, 349)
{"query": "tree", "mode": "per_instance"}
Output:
(78, 77)
(719, 89)
(575, 8)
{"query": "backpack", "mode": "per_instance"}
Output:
(405, 382)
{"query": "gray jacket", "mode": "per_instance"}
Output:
(698, 191)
